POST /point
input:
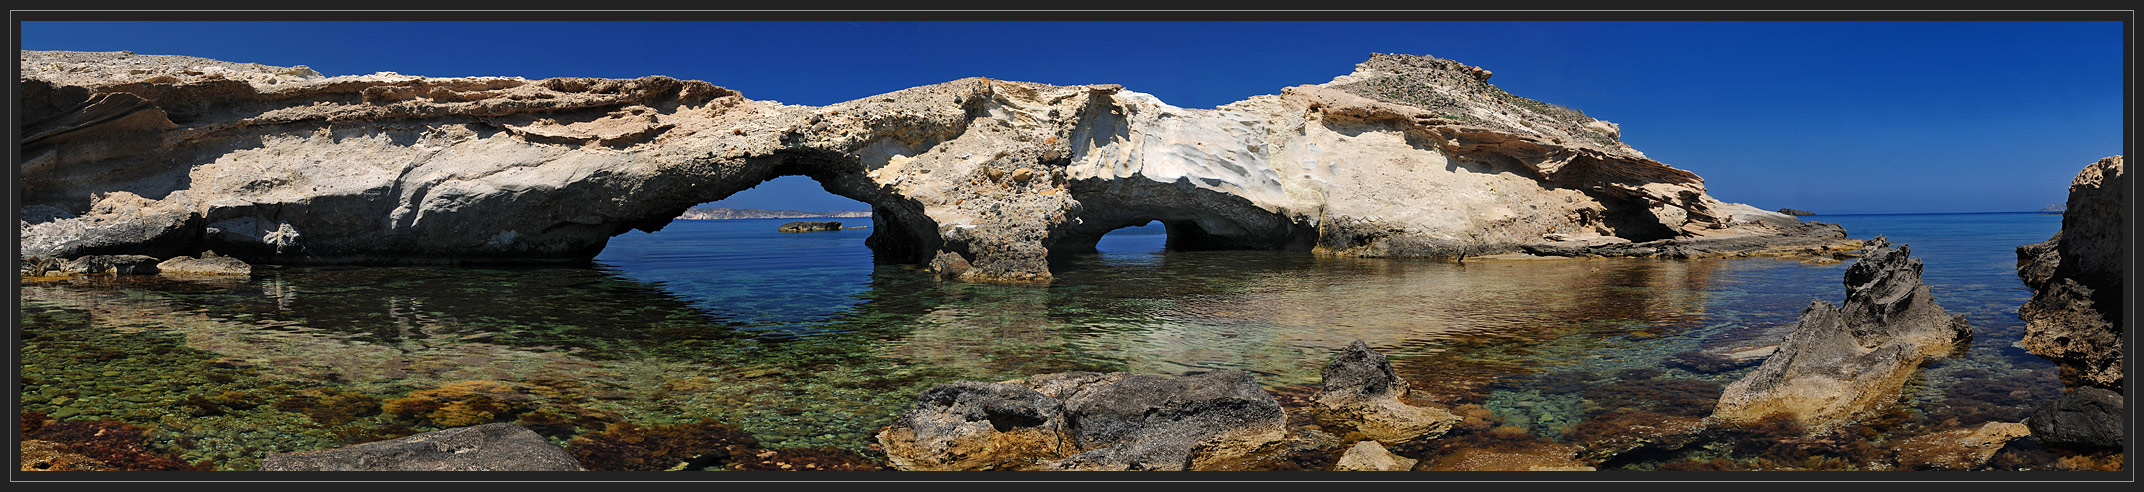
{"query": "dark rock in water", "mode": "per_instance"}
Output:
(807, 226)
(1361, 391)
(2087, 417)
(488, 447)
(1842, 364)
(1796, 212)
(1086, 421)
(208, 264)
(2075, 315)
(1707, 362)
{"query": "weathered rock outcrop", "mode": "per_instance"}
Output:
(809, 227)
(1361, 392)
(1407, 156)
(1796, 212)
(2075, 315)
(1086, 421)
(2084, 417)
(1841, 364)
(488, 447)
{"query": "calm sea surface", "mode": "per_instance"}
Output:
(801, 340)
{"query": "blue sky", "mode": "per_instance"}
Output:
(1833, 117)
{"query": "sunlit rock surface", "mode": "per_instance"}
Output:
(1845, 363)
(1407, 156)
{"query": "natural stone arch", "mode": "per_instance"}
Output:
(149, 154)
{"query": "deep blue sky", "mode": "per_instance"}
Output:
(1833, 117)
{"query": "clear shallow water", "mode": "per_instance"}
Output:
(801, 340)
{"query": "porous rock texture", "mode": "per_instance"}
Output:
(1842, 364)
(1087, 421)
(487, 447)
(2084, 417)
(1361, 392)
(2075, 315)
(1409, 156)
(1958, 449)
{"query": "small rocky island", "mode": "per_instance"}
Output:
(809, 227)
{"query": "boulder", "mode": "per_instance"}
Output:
(2075, 315)
(208, 264)
(1360, 391)
(488, 447)
(2085, 417)
(1959, 449)
(806, 226)
(1406, 156)
(1371, 456)
(1841, 364)
(1086, 421)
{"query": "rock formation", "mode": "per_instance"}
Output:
(2075, 315)
(1407, 156)
(1361, 392)
(1086, 421)
(208, 264)
(1841, 364)
(2084, 417)
(1796, 212)
(488, 447)
(1371, 456)
(809, 226)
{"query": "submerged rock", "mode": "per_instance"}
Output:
(2075, 315)
(1961, 449)
(1541, 457)
(209, 264)
(488, 447)
(2086, 417)
(51, 456)
(1407, 156)
(1361, 392)
(112, 264)
(1841, 364)
(1371, 456)
(809, 226)
(1087, 421)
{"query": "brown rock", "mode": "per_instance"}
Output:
(51, 456)
(1360, 391)
(1371, 456)
(1960, 449)
(2075, 315)
(1544, 457)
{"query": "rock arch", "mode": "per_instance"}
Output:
(169, 155)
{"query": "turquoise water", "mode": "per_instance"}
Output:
(802, 341)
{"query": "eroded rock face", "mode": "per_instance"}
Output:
(1844, 363)
(1086, 421)
(2075, 315)
(488, 447)
(1407, 156)
(1361, 392)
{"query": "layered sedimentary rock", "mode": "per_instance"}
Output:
(1407, 156)
(1845, 363)
(1086, 421)
(2075, 315)
(488, 447)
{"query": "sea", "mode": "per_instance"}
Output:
(801, 340)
